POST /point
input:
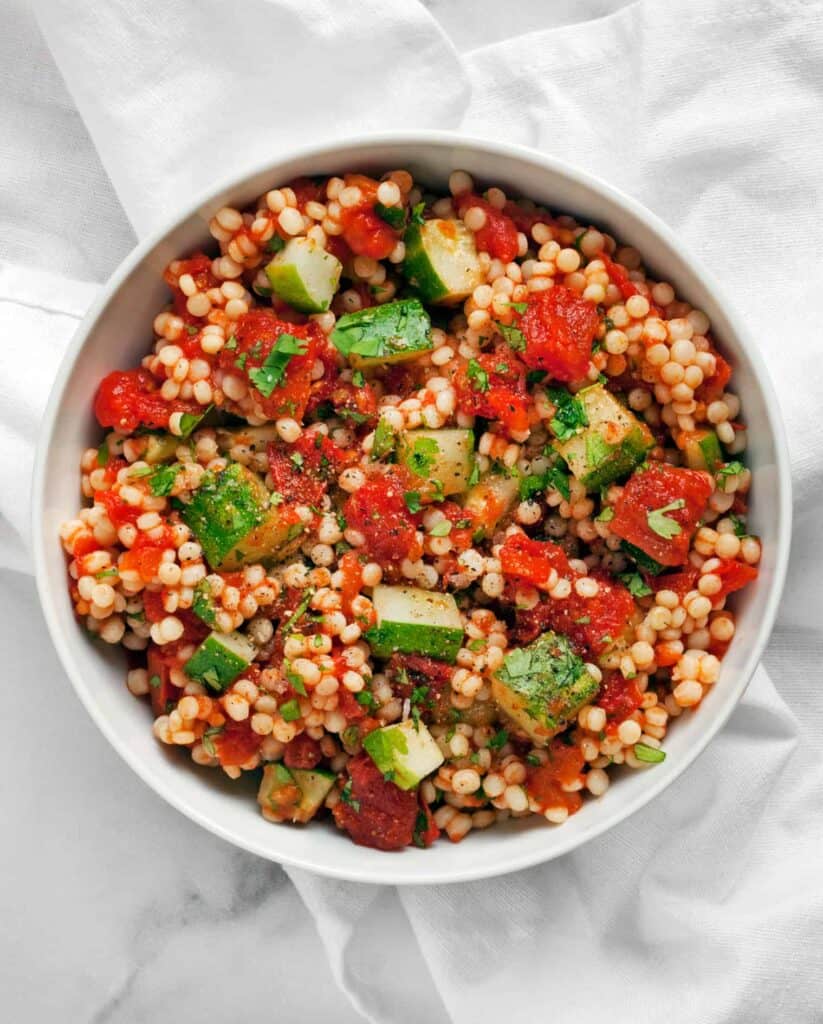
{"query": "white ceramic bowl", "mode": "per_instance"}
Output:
(117, 332)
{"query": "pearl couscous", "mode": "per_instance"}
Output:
(427, 508)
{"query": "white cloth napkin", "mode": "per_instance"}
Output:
(707, 906)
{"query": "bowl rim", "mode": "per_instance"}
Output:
(424, 138)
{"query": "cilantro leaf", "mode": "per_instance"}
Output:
(423, 454)
(270, 375)
(661, 524)
(569, 415)
(513, 335)
(103, 454)
(412, 499)
(275, 244)
(518, 307)
(161, 480)
(500, 739)
(477, 375)
(290, 711)
(732, 469)
(417, 213)
(394, 216)
(739, 524)
(605, 515)
(635, 584)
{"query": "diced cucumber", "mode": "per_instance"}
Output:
(491, 499)
(279, 795)
(305, 275)
(701, 449)
(254, 438)
(203, 603)
(231, 517)
(613, 443)
(443, 460)
(381, 335)
(415, 621)
(542, 687)
(315, 785)
(406, 752)
(220, 659)
(441, 260)
(160, 448)
(293, 795)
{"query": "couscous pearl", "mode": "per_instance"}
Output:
(629, 732)
(597, 781)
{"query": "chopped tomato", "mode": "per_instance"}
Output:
(292, 478)
(559, 327)
(153, 605)
(164, 694)
(498, 236)
(712, 388)
(595, 623)
(351, 709)
(352, 570)
(237, 743)
(680, 582)
(128, 399)
(545, 784)
(337, 246)
(532, 560)
(307, 190)
(116, 509)
(257, 333)
(619, 276)
(410, 673)
(378, 510)
(375, 812)
(364, 231)
(357, 405)
(524, 220)
(302, 752)
(494, 386)
(734, 575)
(146, 554)
(464, 525)
(85, 545)
(619, 697)
(659, 509)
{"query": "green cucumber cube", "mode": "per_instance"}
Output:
(701, 449)
(491, 499)
(220, 659)
(443, 460)
(405, 752)
(441, 261)
(415, 621)
(613, 443)
(305, 275)
(293, 794)
(381, 335)
(542, 687)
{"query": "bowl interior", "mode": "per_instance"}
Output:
(117, 334)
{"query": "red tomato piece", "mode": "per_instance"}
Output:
(294, 481)
(500, 395)
(85, 545)
(524, 220)
(683, 493)
(352, 570)
(377, 813)
(164, 693)
(498, 236)
(128, 399)
(116, 509)
(532, 560)
(559, 327)
(237, 743)
(680, 582)
(734, 575)
(425, 830)
(306, 190)
(619, 276)
(351, 709)
(302, 752)
(545, 784)
(364, 231)
(153, 605)
(145, 555)
(594, 623)
(712, 388)
(408, 672)
(378, 510)
(256, 334)
(619, 697)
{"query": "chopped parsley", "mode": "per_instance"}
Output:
(739, 524)
(477, 375)
(358, 379)
(513, 335)
(290, 711)
(533, 760)
(569, 416)
(297, 460)
(555, 477)
(208, 739)
(605, 515)
(384, 439)
(394, 216)
(477, 645)
(103, 454)
(294, 678)
(347, 798)
(635, 584)
(298, 612)
(189, 420)
(518, 307)
(367, 700)
(105, 574)
(275, 244)
(231, 344)
(270, 375)
(500, 739)
(731, 469)
(422, 456)
(663, 525)
(412, 499)
(161, 480)
(421, 826)
(155, 680)
(417, 213)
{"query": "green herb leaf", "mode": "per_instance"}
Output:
(597, 449)
(584, 620)
(384, 440)
(208, 739)
(518, 307)
(477, 645)
(423, 455)
(731, 469)
(298, 612)
(739, 524)
(417, 213)
(412, 499)
(394, 216)
(270, 375)
(513, 335)
(162, 480)
(105, 574)
(477, 375)
(358, 379)
(290, 711)
(500, 739)
(103, 454)
(297, 460)
(535, 377)
(347, 798)
(635, 584)
(367, 699)
(661, 524)
(190, 420)
(154, 682)
(651, 755)
(275, 244)
(474, 476)
(231, 344)
(533, 760)
(605, 515)
(570, 414)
